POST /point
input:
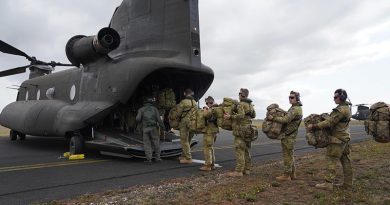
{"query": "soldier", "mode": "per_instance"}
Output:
(183, 110)
(292, 121)
(338, 149)
(149, 118)
(209, 135)
(242, 120)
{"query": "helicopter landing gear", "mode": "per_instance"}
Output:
(13, 135)
(22, 136)
(76, 144)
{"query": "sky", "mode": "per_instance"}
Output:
(270, 47)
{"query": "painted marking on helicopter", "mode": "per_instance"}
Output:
(48, 165)
(202, 162)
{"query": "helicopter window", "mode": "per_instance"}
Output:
(50, 93)
(72, 92)
(26, 95)
(38, 94)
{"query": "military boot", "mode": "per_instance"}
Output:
(205, 168)
(234, 174)
(293, 175)
(325, 186)
(283, 178)
(185, 161)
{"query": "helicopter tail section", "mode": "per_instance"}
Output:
(159, 26)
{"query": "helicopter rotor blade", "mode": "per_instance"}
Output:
(14, 71)
(53, 64)
(6, 48)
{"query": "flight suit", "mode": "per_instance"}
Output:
(292, 120)
(338, 149)
(242, 118)
(209, 136)
(149, 118)
(183, 110)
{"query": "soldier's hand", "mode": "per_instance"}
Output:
(270, 117)
(226, 116)
(312, 126)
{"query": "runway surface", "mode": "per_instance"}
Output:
(34, 171)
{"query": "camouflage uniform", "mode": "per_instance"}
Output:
(241, 118)
(149, 117)
(338, 149)
(183, 110)
(209, 136)
(292, 121)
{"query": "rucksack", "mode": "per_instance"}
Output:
(273, 129)
(197, 121)
(319, 138)
(228, 106)
(378, 122)
(166, 99)
(174, 121)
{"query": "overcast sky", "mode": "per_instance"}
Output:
(269, 47)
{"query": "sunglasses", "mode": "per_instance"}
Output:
(335, 97)
(291, 97)
(209, 103)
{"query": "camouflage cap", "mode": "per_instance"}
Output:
(209, 99)
(244, 92)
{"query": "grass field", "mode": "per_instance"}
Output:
(370, 162)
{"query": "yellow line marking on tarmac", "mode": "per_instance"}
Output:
(47, 165)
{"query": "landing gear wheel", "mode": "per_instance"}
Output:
(76, 144)
(22, 136)
(13, 135)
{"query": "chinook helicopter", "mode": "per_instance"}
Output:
(148, 44)
(362, 112)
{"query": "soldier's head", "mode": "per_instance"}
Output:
(294, 97)
(188, 92)
(209, 101)
(149, 99)
(340, 96)
(243, 94)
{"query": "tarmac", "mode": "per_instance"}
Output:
(35, 170)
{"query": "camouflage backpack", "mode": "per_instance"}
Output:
(174, 121)
(228, 106)
(273, 129)
(197, 122)
(378, 122)
(166, 99)
(318, 138)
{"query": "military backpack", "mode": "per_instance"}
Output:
(228, 106)
(318, 138)
(166, 99)
(174, 121)
(197, 121)
(378, 122)
(149, 117)
(272, 129)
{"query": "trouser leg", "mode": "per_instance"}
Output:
(288, 155)
(247, 156)
(333, 155)
(184, 140)
(147, 144)
(347, 170)
(240, 148)
(208, 141)
(156, 142)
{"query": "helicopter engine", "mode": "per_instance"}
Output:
(82, 49)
